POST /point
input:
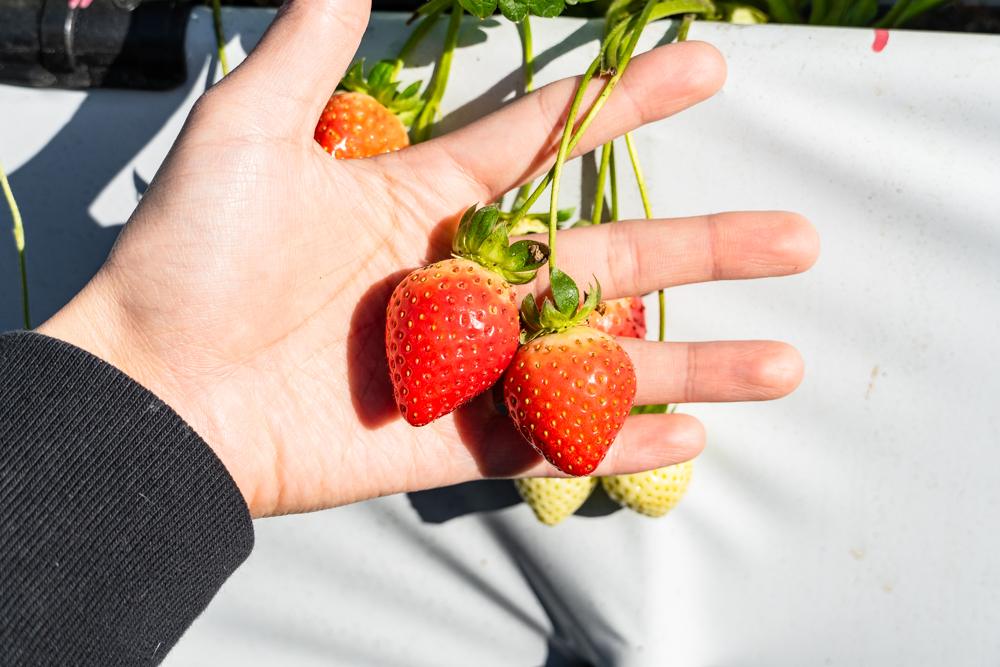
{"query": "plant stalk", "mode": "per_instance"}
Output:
(602, 176)
(564, 146)
(529, 58)
(639, 178)
(220, 37)
(529, 86)
(614, 185)
(418, 34)
(425, 121)
(19, 242)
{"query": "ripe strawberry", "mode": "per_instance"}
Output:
(652, 493)
(554, 499)
(621, 317)
(366, 118)
(451, 328)
(570, 390)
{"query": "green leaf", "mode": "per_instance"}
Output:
(459, 244)
(410, 92)
(660, 409)
(527, 256)
(479, 8)
(591, 301)
(782, 12)
(529, 312)
(529, 224)
(381, 73)
(546, 8)
(514, 10)
(564, 214)
(552, 318)
(565, 292)
(861, 13)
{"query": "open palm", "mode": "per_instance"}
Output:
(248, 291)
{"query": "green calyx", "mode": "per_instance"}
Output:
(482, 238)
(404, 105)
(565, 313)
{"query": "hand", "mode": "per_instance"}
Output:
(248, 290)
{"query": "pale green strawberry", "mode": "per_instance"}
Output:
(555, 498)
(652, 493)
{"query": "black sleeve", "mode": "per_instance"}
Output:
(118, 524)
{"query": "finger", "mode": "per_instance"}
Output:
(642, 256)
(297, 64)
(519, 142)
(712, 372)
(646, 442)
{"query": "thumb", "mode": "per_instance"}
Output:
(298, 62)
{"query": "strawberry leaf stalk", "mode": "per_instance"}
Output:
(452, 327)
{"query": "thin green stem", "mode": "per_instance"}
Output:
(682, 32)
(529, 58)
(418, 34)
(614, 185)
(564, 147)
(891, 20)
(663, 316)
(529, 86)
(19, 242)
(602, 176)
(567, 137)
(220, 37)
(425, 121)
(639, 178)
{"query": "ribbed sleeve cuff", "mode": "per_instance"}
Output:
(118, 524)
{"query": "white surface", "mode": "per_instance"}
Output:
(853, 523)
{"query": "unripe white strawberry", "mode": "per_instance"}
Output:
(553, 499)
(652, 493)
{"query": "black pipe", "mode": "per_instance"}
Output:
(110, 43)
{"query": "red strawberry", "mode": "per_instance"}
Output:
(621, 317)
(569, 391)
(366, 118)
(452, 327)
(354, 125)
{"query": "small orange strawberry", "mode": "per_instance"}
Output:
(452, 327)
(366, 118)
(621, 317)
(569, 388)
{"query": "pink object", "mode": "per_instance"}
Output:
(82, 4)
(881, 39)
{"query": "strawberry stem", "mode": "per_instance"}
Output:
(561, 157)
(639, 178)
(529, 59)
(564, 146)
(19, 242)
(425, 121)
(614, 186)
(529, 86)
(682, 33)
(418, 34)
(602, 176)
(220, 38)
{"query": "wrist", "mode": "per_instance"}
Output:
(96, 321)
